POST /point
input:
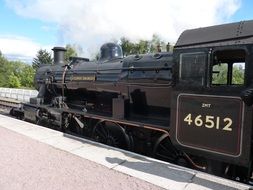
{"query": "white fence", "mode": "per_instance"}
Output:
(22, 95)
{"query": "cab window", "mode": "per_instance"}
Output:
(192, 68)
(228, 67)
(238, 73)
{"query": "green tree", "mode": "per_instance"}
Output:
(21, 72)
(13, 81)
(238, 75)
(127, 46)
(42, 57)
(71, 52)
(142, 46)
(15, 74)
(4, 71)
(27, 76)
(156, 43)
(220, 74)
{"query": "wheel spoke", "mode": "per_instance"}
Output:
(112, 140)
(173, 150)
(100, 134)
(111, 134)
(164, 149)
(104, 131)
(167, 147)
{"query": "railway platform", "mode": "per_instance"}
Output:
(34, 157)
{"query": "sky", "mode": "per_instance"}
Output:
(29, 25)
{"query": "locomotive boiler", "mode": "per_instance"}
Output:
(167, 105)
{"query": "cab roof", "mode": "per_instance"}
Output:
(219, 35)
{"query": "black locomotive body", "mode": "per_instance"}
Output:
(165, 105)
(117, 87)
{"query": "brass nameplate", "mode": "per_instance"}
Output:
(83, 78)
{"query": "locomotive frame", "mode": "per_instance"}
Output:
(163, 105)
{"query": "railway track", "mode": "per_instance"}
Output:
(6, 104)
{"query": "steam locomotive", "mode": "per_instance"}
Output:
(166, 105)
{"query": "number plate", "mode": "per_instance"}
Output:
(210, 123)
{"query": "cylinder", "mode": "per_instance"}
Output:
(59, 53)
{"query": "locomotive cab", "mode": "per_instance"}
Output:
(213, 67)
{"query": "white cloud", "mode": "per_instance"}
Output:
(19, 48)
(92, 22)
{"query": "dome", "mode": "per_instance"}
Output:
(110, 51)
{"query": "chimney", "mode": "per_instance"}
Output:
(59, 55)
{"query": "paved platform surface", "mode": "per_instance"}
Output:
(34, 157)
